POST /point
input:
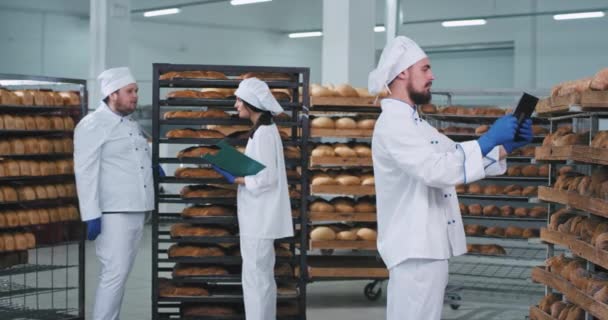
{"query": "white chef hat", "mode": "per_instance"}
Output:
(114, 79)
(398, 55)
(256, 92)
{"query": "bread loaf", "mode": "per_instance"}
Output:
(167, 289)
(474, 229)
(600, 80)
(492, 249)
(366, 124)
(492, 190)
(193, 75)
(323, 179)
(194, 251)
(202, 191)
(323, 151)
(321, 206)
(187, 230)
(42, 123)
(343, 205)
(495, 231)
(363, 151)
(429, 108)
(348, 180)
(367, 234)
(506, 211)
(44, 216)
(514, 171)
(547, 301)
(537, 212)
(513, 232)
(346, 123)
(342, 150)
(346, 236)
(529, 191)
(463, 209)
(195, 152)
(475, 210)
(491, 210)
(196, 173)
(529, 171)
(322, 234)
(23, 217)
(475, 188)
(364, 206)
(323, 123)
(194, 134)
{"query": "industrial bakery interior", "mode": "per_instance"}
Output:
(536, 235)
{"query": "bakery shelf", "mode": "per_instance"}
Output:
(175, 218)
(38, 109)
(214, 141)
(40, 203)
(177, 315)
(288, 161)
(39, 134)
(32, 268)
(175, 198)
(227, 104)
(342, 216)
(509, 218)
(340, 162)
(223, 260)
(576, 246)
(518, 178)
(340, 133)
(342, 244)
(170, 179)
(343, 190)
(345, 268)
(460, 137)
(15, 311)
(346, 103)
(538, 314)
(212, 83)
(494, 197)
(595, 206)
(220, 121)
(39, 179)
(583, 154)
(202, 240)
(571, 293)
(49, 156)
(232, 278)
(500, 237)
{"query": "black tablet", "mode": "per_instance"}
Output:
(524, 109)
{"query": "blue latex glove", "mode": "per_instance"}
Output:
(502, 131)
(224, 173)
(524, 133)
(93, 228)
(161, 172)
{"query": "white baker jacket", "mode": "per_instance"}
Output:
(416, 170)
(112, 164)
(263, 206)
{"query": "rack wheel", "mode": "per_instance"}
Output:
(454, 306)
(373, 291)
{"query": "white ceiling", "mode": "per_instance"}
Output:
(300, 15)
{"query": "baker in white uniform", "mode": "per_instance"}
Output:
(113, 170)
(263, 206)
(416, 170)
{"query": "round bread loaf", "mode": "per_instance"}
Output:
(366, 124)
(367, 234)
(321, 206)
(475, 209)
(323, 123)
(346, 123)
(344, 151)
(323, 151)
(348, 180)
(345, 90)
(346, 236)
(343, 205)
(322, 234)
(363, 151)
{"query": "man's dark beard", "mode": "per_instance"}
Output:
(419, 98)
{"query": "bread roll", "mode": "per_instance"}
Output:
(196, 173)
(463, 209)
(323, 180)
(429, 108)
(547, 301)
(363, 151)
(342, 150)
(68, 123)
(474, 229)
(491, 210)
(348, 180)
(12, 219)
(44, 216)
(199, 74)
(9, 194)
(24, 97)
(529, 191)
(323, 151)
(343, 205)
(514, 171)
(512, 190)
(475, 210)
(323, 123)
(5, 148)
(537, 212)
(346, 123)
(492, 190)
(321, 206)
(194, 134)
(529, 171)
(365, 207)
(42, 123)
(56, 123)
(9, 242)
(345, 90)
(70, 98)
(481, 129)
(17, 147)
(530, 233)
(322, 234)
(475, 188)
(367, 234)
(70, 189)
(461, 188)
(495, 231)
(513, 232)
(366, 124)
(24, 219)
(521, 212)
(368, 180)
(346, 236)
(19, 123)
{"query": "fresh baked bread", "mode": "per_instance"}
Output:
(177, 250)
(202, 191)
(187, 230)
(322, 234)
(320, 205)
(324, 123)
(196, 152)
(196, 173)
(346, 123)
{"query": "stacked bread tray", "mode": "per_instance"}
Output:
(196, 255)
(578, 220)
(39, 217)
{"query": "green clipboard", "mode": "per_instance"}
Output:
(231, 160)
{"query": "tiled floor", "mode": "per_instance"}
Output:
(326, 300)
